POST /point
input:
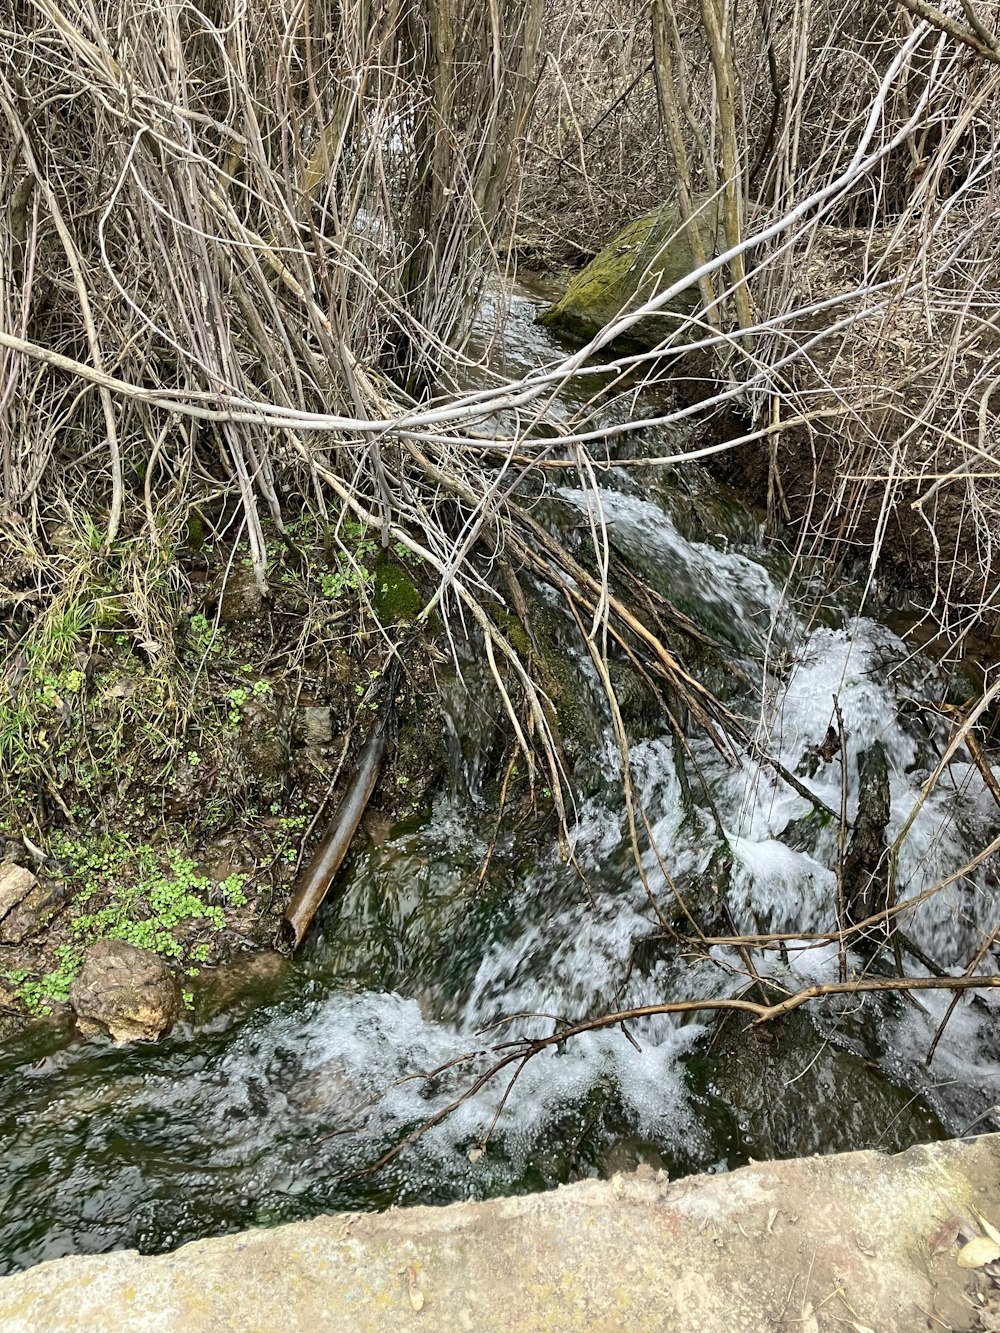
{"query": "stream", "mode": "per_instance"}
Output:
(269, 1109)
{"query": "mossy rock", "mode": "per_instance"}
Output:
(573, 713)
(647, 256)
(394, 597)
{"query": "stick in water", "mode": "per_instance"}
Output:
(317, 875)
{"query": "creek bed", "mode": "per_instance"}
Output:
(271, 1107)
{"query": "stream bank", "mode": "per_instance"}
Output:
(862, 1241)
(174, 739)
(864, 462)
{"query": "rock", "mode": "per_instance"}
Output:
(317, 726)
(15, 884)
(25, 905)
(13, 852)
(241, 599)
(646, 257)
(126, 992)
(184, 797)
(27, 918)
(866, 867)
(11, 1013)
(746, 1068)
(265, 740)
(236, 987)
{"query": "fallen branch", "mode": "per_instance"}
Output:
(982, 41)
(523, 1049)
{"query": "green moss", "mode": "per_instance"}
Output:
(394, 596)
(516, 634)
(573, 713)
(195, 531)
(570, 713)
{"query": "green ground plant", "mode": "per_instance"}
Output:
(205, 638)
(131, 892)
(130, 710)
(36, 993)
(73, 706)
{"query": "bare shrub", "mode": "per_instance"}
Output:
(241, 239)
(854, 149)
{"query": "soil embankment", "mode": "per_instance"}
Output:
(159, 790)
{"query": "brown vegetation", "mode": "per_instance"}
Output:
(242, 248)
(856, 161)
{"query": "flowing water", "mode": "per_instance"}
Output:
(267, 1111)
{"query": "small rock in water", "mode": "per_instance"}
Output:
(126, 992)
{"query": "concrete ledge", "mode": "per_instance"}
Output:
(822, 1243)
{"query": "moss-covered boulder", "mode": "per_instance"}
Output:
(646, 257)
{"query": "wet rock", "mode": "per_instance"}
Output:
(186, 795)
(646, 257)
(126, 992)
(30, 916)
(13, 852)
(791, 1091)
(866, 868)
(327, 1090)
(240, 598)
(238, 986)
(631, 693)
(11, 1015)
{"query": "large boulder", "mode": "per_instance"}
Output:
(646, 257)
(127, 993)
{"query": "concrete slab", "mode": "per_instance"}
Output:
(825, 1243)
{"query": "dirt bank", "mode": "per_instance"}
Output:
(174, 739)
